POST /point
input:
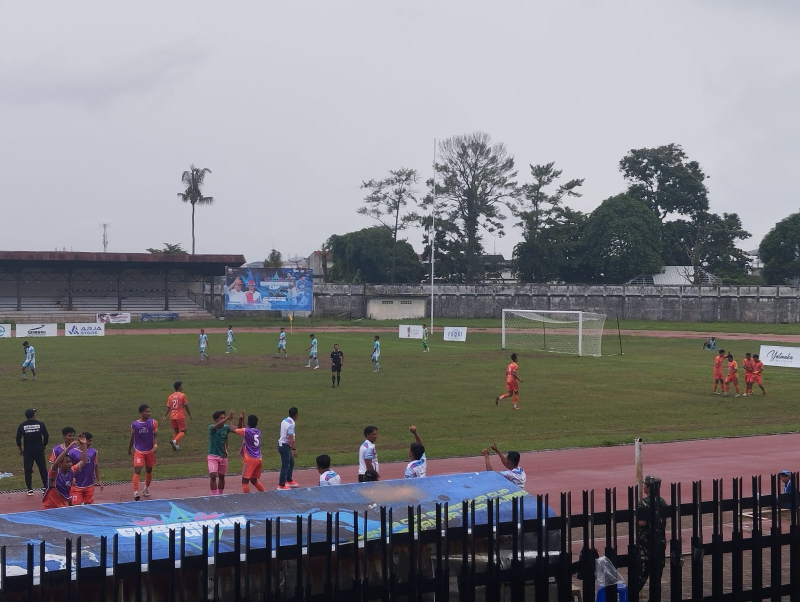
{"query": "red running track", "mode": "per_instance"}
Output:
(549, 472)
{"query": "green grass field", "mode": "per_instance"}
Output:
(660, 390)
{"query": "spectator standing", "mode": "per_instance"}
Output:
(287, 450)
(33, 434)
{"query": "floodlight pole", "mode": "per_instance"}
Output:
(433, 227)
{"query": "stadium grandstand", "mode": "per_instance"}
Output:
(66, 286)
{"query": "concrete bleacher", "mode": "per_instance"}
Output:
(84, 308)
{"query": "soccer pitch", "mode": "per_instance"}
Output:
(660, 389)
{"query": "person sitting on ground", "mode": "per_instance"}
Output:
(515, 474)
(710, 343)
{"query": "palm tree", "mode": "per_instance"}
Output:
(193, 180)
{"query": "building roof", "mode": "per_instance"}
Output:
(675, 275)
(209, 265)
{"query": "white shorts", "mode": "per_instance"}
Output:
(202, 349)
(375, 357)
(29, 364)
(282, 345)
(312, 354)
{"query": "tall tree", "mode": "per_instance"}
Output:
(386, 200)
(477, 179)
(450, 254)
(623, 239)
(537, 257)
(194, 180)
(780, 251)
(274, 259)
(366, 254)
(666, 180)
(169, 249)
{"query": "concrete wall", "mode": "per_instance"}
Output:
(394, 308)
(766, 304)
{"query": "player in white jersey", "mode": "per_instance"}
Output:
(376, 353)
(515, 474)
(312, 355)
(282, 344)
(202, 342)
(30, 361)
(367, 454)
(231, 339)
(326, 475)
(418, 466)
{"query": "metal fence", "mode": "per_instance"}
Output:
(739, 548)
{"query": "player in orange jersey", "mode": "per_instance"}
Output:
(719, 376)
(747, 366)
(733, 376)
(512, 383)
(177, 409)
(758, 368)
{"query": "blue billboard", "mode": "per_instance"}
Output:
(268, 289)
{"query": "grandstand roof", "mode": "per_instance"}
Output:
(210, 265)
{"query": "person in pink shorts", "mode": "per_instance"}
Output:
(218, 450)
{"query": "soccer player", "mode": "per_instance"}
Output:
(376, 353)
(337, 360)
(218, 450)
(142, 446)
(367, 454)
(58, 494)
(288, 451)
(30, 361)
(203, 343)
(719, 377)
(514, 472)
(733, 376)
(312, 352)
(418, 465)
(85, 478)
(282, 344)
(747, 365)
(758, 369)
(251, 452)
(425, 347)
(231, 339)
(68, 433)
(177, 409)
(512, 383)
(326, 475)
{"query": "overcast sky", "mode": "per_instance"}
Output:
(103, 105)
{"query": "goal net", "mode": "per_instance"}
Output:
(575, 332)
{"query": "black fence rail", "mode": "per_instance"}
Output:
(720, 549)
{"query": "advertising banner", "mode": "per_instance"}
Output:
(409, 331)
(269, 289)
(455, 333)
(32, 331)
(786, 357)
(114, 318)
(84, 329)
(161, 317)
(5, 331)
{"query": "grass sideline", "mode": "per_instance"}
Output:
(660, 390)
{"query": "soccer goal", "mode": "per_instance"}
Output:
(575, 332)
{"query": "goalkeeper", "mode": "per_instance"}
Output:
(512, 383)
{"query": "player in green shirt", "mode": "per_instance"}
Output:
(218, 450)
(425, 347)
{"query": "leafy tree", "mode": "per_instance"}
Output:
(366, 254)
(666, 180)
(450, 263)
(622, 239)
(477, 178)
(538, 257)
(557, 253)
(385, 203)
(780, 251)
(274, 260)
(169, 249)
(194, 180)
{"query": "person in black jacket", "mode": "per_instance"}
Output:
(34, 434)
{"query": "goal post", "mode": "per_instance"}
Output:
(574, 332)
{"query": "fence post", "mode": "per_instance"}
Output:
(697, 541)
(633, 553)
(204, 565)
(181, 580)
(737, 543)
(149, 566)
(565, 553)
(542, 549)
(717, 554)
(588, 553)
(464, 585)
(115, 567)
(328, 591)
(43, 571)
(675, 546)
(3, 582)
(794, 544)
(298, 586)
(29, 570)
(775, 540)
(611, 537)
(757, 540)
(336, 583)
(237, 566)
(268, 592)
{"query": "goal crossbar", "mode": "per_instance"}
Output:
(573, 332)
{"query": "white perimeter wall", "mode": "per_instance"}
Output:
(393, 308)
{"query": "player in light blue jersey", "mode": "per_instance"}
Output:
(30, 361)
(203, 343)
(282, 344)
(231, 339)
(376, 353)
(312, 352)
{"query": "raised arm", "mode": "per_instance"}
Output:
(485, 453)
(414, 432)
(501, 455)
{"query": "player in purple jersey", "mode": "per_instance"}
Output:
(142, 446)
(58, 495)
(251, 452)
(68, 433)
(83, 487)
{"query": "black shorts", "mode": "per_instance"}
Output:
(336, 368)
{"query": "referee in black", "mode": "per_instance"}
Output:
(34, 433)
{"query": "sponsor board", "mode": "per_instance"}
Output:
(32, 331)
(269, 289)
(455, 333)
(84, 329)
(787, 357)
(410, 331)
(161, 317)
(114, 318)
(5, 331)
